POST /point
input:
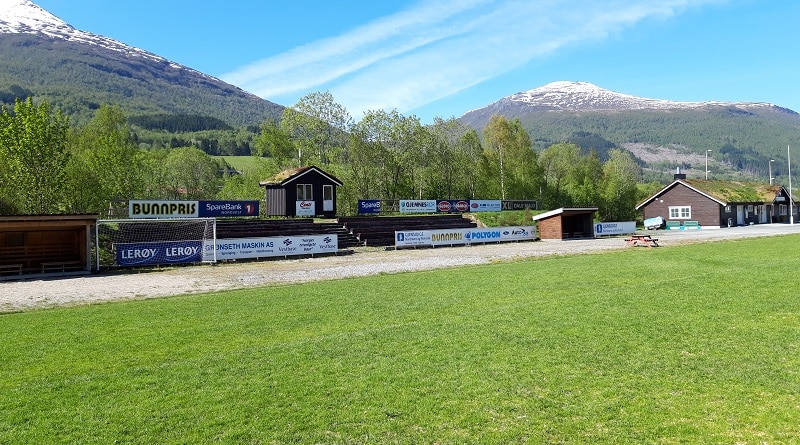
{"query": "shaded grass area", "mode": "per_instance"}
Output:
(688, 344)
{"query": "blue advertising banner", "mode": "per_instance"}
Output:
(165, 252)
(216, 209)
(369, 206)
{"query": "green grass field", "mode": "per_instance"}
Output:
(694, 344)
(249, 164)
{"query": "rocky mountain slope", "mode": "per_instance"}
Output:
(78, 71)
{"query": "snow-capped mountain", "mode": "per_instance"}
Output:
(583, 96)
(25, 17)
(745, 135)
(46, 57)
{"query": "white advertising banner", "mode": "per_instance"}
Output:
(417, 206)
(485, 205)
(305, 208)
(450, 237)
(162, 209)
(245, 248)
(614, 228)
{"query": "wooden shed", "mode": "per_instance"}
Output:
(305, 191)
(712, 203)
(45, 244)
(566, 223)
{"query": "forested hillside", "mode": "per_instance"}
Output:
(741, 142)
(79, 78)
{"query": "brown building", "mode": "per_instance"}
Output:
(566, 223)
(45, 244)
(305, 191)
(712, 203)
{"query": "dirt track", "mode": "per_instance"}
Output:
(32, 294)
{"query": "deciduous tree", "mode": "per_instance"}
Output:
(620, 175)
(318, 126)
(33, 146)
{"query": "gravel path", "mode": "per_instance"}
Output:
(34, 294)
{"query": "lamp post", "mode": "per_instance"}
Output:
(791, 200)
(770, 171)
(707, 152)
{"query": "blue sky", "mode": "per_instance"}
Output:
(447, 57)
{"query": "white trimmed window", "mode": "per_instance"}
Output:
(680, 212)
(304, 192)
(782, 209)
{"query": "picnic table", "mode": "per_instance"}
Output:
(641, 240)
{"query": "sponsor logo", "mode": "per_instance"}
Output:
(451, 236)
(306, 204)
(181, 251)
(155, 209)
(417, 205)
(494, 234)
(443, 206)
(135, 254)
(462, 206)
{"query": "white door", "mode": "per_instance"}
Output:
(740, 215)
(327, 198)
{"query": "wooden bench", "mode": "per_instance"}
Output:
(10, 269)
(62, 266)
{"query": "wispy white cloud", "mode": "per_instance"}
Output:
(434, 50)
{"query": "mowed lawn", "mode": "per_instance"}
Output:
(696, 344)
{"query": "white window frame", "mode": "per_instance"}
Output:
(680, 212)
(305, 192)
(783, 209)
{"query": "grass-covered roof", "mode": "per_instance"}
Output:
(736, 191)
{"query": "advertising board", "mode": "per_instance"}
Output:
(485, 205)
(417, 206)
(165, 252)
(452, 205)
(518, 205)
(369, 207)
(264, 247)
(614, 228)
(162, 209)
(305, 208)
(450, 237)
(221, 209)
